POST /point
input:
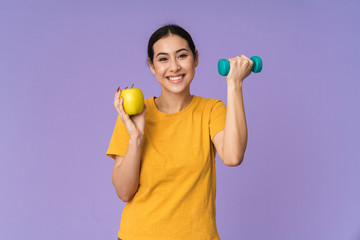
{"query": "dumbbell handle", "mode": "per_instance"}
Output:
(224, 65)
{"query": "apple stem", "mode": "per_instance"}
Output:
(132, 86)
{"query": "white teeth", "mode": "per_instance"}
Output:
(175, 78)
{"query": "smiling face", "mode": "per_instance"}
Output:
(173, 64)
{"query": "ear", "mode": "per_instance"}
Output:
(197, 58)
(151, 65)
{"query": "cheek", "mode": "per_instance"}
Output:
(191, 66)
(159, 69)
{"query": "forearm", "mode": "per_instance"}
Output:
(235, 132)
(126, 173)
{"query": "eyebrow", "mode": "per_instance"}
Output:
(182, 49)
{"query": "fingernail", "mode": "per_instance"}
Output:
(118, 89)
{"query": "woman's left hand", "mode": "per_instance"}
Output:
(240, 68)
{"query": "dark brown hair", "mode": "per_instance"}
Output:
(166, 31)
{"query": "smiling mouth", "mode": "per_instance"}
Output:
(178, 78)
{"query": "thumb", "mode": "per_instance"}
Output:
(144, 110)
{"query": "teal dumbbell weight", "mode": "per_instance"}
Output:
(224, 66)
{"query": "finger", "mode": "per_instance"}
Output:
(124, 116)
(232, 61)
(117, 94)
(120, 106)
(116, 100)
(141, 114)
(144, 110)
(244, 60)
(245, 57)
(117, 103)
(240, 59)
(139, 119)
(127, 120)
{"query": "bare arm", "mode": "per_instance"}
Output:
(231, 142)
(126, 172)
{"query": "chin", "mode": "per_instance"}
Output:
(176, 89)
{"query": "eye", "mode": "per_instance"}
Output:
(183, 55)
(162, 59)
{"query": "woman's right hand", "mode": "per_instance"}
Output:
(134, 124)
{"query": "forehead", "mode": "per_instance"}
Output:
(170, 43)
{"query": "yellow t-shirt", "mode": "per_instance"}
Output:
(177, 189)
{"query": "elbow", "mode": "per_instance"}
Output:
(124, 194)
(233, 156)
(124, 197)
(234, 161)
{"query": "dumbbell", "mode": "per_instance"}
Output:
(224, 66)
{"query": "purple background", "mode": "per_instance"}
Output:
(62, 61)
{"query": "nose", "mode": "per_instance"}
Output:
(174, 66)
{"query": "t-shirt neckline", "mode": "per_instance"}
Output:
(158, 112)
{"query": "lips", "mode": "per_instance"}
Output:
(175, 79)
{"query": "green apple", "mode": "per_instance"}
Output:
(133, 100)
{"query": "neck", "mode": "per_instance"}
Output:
(172, 103)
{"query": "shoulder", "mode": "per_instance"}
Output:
(150, 104)
(210, 102)
(149, 100)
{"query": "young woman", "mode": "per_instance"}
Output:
(165, 156)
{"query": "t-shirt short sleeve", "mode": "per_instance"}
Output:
(217, 118)
(119, 141)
